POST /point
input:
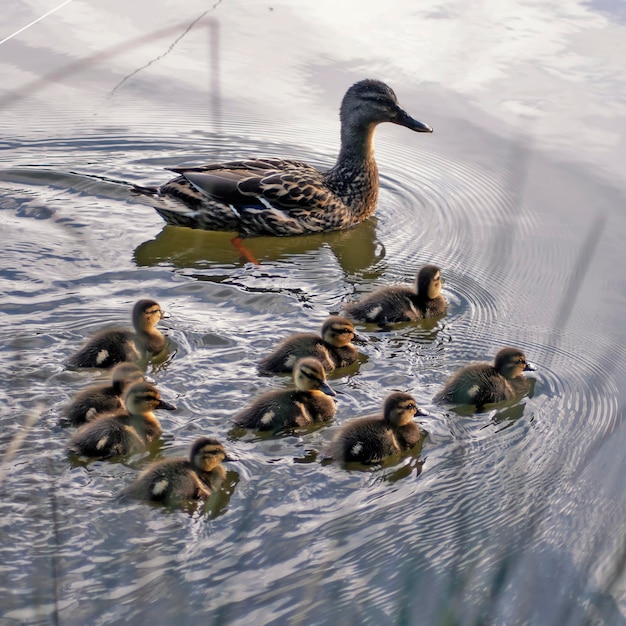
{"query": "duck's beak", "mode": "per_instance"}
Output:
(359, 338)
(231, 458)
(404, 119)
(530, 367)
(166, 405)
(421, 412)
(327, 390)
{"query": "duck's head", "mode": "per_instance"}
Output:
(142, 397)
(370, 102)
(429, 282)
(207, 453)
(147, 314)
(125, 374)
(400, 408)
(338, 331)
(511, 362)
(309, 375)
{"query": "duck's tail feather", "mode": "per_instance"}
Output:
(144, 191)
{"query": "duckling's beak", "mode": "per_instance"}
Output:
(421, 412)
(165, 315)
(359, 338)
(327, 390)
(166, 405)
(530, 367)
(229, 457)
(404, 119)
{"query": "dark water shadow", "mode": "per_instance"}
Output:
(357, 249)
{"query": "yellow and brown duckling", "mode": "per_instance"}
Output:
(117, 345)
(102, 397)
(372, 438)
(483, 383)
(128, 431)
(333, 348)
(268, 196)
(175, 480)
(308, 403)
(400, 303)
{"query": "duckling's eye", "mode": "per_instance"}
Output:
(310, 375)
(153, 311)
(411, 407)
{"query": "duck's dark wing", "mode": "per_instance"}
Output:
(386, 305)
(106, 349)
(286, 354)
(260, 196)
(239, 182)
(169, 480)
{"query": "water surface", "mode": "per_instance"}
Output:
(510, 516)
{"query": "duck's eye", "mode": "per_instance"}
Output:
(411, 407)
(153, 311)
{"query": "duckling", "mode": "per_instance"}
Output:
(371, 438)
(333, 348)
(400, 303)
(125, 432)
(175, 480)
(116, 345)
(306, 404)
(483, 383)
(281, 197)
(103, 397)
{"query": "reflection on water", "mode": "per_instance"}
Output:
(355, 249)
(509, 516)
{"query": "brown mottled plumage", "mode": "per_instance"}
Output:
(483, 383)
(372, 438)
(400, 303)
(175, 480)
(117, 345)
(102, 397)
(268, 196)
(332, 348)
(125, 432)
(306, 404)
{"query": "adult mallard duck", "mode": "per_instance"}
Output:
(307, 404)
(268, 196)
(175, 480)
(332, 348)
(483, 383)
(117, 345)
(372, 438)
(399, 303)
